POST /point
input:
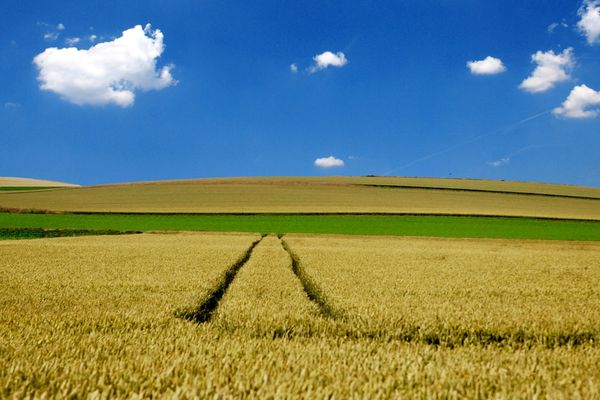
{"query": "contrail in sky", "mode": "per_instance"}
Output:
(351, 43)
(505, 160)
(469, 141)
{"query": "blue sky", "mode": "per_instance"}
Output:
(393, 96)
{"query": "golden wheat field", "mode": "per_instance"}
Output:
(237, 315)
(321, 195)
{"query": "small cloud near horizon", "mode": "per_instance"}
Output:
(293, 68)
(488, 66)
(329, 162)
(500, 162)
(507, 159)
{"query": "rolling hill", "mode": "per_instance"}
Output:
(367, 195)
(13, 184)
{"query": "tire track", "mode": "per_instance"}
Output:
(311, 288)
(204, 311)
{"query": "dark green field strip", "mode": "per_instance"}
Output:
(394, 225)
(22, 188)
(569, 196)
(38, 233)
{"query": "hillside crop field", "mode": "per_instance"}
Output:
(220, 315)
(320, 195)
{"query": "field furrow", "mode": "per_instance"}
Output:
(266, 298)
(311, 288)
(210, 301)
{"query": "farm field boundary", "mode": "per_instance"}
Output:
(452, 189)
(38, 233)
(26, 188)
(347, 224)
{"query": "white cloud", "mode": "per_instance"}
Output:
(328, 59)
(488, 66)
(52, 31)
(551, 69)
(92, 38)
(500, 162)
(108, 72)
(294, 68)
(552, 27)
(11, 104)
(72, 41)
(578, 103)
(51, 36)
(589, 24)
(329, 162)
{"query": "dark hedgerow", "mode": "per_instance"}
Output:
(37, 233)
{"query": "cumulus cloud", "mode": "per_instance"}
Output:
(328, 59)
(589, 24)
(551, 69)
(579, 104)
(60, 27)
(329, 162)
(294, 68)
(108, 72)
(487, 66)
(92, 38)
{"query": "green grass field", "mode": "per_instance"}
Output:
(395, 225)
